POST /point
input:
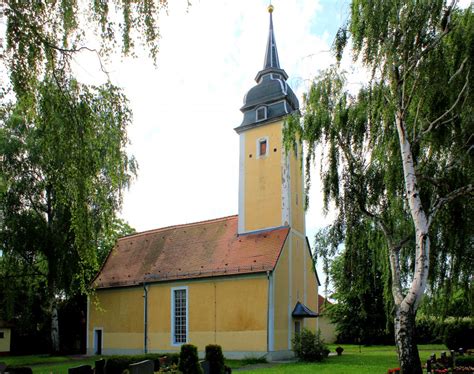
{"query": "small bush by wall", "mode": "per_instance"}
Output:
(309, 346)
(215, 358)
(188, 360)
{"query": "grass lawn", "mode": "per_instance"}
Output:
(369, 360)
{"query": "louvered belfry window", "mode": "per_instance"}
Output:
(180, 323)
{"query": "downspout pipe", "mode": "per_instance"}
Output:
(145, 317)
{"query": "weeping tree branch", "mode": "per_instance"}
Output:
(465, 190)
(433, 123)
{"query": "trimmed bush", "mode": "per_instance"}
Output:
(465, 361)
(188, 360)
(459, 333)
(309, 346)
(215, 358)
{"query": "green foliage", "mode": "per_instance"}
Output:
(459, 333)
(42, 36)
(465, 361)
(188, 360)
(117, 228)
(429, 330)
(65, 166)
(421, 59)
(309, 346)
(359, 312)
(215, 358)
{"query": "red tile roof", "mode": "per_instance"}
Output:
(195, 250)
(322, 302)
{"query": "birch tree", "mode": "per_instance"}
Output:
(64, 161)
(400, 152)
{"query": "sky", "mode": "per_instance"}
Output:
(185, 108)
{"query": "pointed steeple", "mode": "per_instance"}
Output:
(272, 98)
(271, 54)
(271, 63)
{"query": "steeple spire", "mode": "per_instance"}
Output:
(271, 63)
(271, 54)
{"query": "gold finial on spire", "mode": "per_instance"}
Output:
(270, 8)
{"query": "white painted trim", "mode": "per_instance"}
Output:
(298, 234)
(173, 343)
(290, 288)
(241, 218)
(271, 313)
(257, 145)
(88, 322)
(285, 190)
(94, 343)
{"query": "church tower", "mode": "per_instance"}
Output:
(271, 190)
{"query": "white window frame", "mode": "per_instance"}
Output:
(265, 115)
(260, 140)
(173, 340)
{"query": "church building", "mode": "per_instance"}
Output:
(246, 282)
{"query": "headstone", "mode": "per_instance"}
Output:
(99, 366)
(206, 367)
(82, 369)
(143, 367)
(19, 370)
(3, 366)
(428, 366)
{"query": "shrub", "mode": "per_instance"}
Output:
(188, 360)
(309, 346)
(117, 364)
(459, 333)
(215, 358)
(465, 361)
(428, 330)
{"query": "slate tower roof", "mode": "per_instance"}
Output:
(272, 97)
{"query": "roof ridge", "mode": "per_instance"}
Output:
(176, 226)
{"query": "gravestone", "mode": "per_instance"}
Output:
(143, 367)
(206, 367)
(99, 366)
(82, 369)
(3, 366)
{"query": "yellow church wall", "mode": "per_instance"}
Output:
(263, 178)
(281, 290)
(230, 311)
(112, 310)
(5, 340)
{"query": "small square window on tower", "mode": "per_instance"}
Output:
(262, 147)
(261, 113)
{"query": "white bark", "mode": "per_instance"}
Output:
(420, 221)
(54, 326)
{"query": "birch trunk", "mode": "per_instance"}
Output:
(54, 326)
(407, 306)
